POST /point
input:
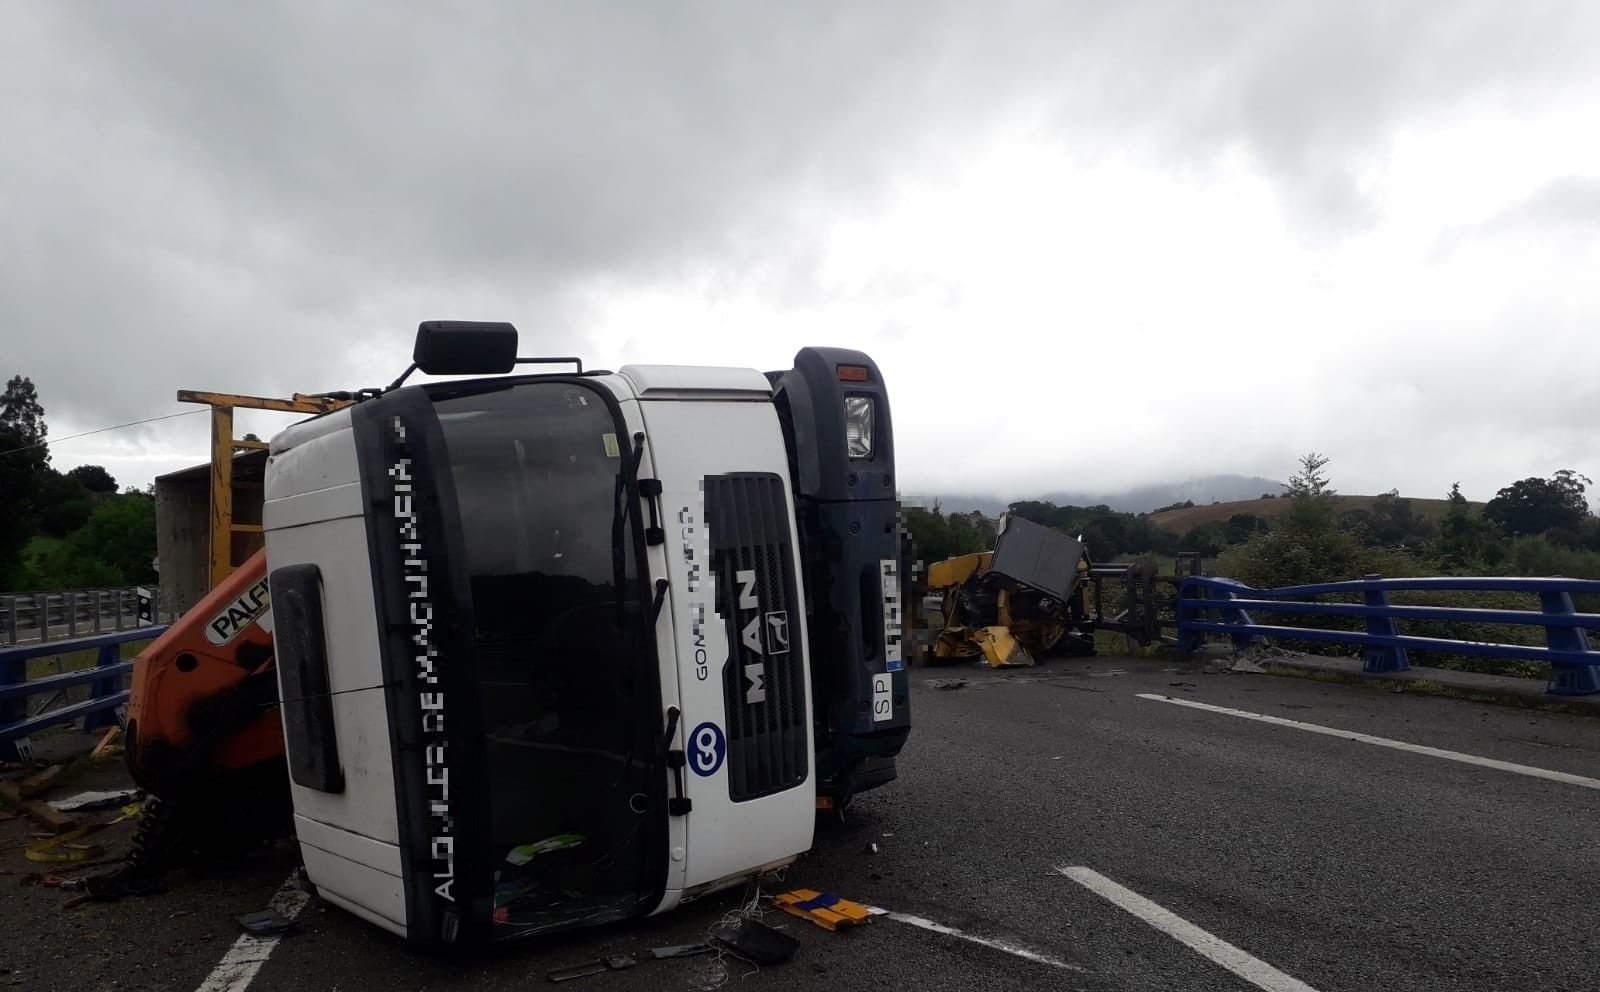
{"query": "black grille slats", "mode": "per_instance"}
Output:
(762, 681)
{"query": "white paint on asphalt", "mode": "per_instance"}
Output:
(1434, 752)
(997, 945)
(1208, 945)
(238, 967)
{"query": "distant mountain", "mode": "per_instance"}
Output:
(1142, 499)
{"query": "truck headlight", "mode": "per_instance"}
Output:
(858, 426)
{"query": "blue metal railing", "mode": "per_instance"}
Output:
(1574, 669)
(105, 679)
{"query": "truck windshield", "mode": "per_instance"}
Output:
(569, 688)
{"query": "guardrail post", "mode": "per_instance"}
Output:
(12, 710)
(1189, 608)
(1189, 641)
(1567, 678)
(1381, 657)
(110, 654)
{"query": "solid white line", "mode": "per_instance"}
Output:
(1434, 752)
(238, 967)
(998, 945)
(1251, 969)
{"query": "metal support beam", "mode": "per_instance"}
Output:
(1567, 679)
(221, 493)
(223, 445)
(1381, 657)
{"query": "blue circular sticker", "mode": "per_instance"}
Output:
(707, 748)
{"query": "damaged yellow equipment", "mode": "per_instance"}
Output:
(1027, 597)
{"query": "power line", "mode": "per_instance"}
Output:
(101, 430)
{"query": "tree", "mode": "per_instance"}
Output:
(1312, 495)
(94, 478)
(24, 464)
(1311, 481)
(1466, 540)
(1533, 505)
(121, 534)
(64, 504)
(1241, 526)
(1209, 539)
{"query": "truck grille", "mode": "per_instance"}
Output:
(763, 684)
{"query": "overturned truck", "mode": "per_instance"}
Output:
(531, 652)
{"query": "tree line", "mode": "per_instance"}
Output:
(64, 530)
(1533, 526)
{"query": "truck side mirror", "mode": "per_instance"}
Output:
(465, 347)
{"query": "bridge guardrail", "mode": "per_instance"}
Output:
(106, 681)
(41, 616)
(1574, 668)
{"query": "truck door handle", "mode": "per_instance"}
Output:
(678, 805)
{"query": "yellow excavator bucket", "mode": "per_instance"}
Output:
(1000, 649)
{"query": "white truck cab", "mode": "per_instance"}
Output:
(545, 643)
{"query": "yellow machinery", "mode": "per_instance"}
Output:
(1027, 597)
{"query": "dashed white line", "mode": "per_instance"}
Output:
(1208, 945)
(238, 967)
(1434, 752)
(1015, 950)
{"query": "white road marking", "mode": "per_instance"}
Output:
(238, 967)
(1251, 969)
(1434, 752)
(997, 945)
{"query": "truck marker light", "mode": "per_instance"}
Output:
(852, 373)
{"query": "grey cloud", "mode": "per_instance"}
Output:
(255, 197)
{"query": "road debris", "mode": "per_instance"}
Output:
(108, 744)
(40, 813)
(615, 962)
(64, 849)
(40, 782)
(681, 951)
(758, 943)
(871, 848)
(267, 921)
(84, 802)
(825, 909)
(948, 684)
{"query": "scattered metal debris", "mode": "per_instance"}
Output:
(681, 951)
(83, 802)
(614, 962)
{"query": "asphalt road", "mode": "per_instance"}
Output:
(1328, 862)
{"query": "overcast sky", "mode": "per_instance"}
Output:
(1090, 245)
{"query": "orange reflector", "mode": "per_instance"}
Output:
(852, 373)
(824, 802)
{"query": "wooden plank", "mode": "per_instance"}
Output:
(53, 820)
(39, 782)
(106, 742)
